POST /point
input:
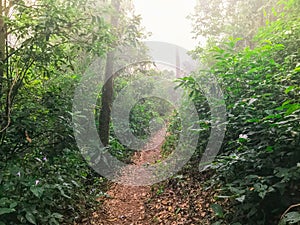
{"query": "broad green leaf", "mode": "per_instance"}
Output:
(30, 218)
(59, 187)
(292, 108)
(218, 210)
(275, 116)
(286, 103)
(37, 191)
(289, 89)
(291, 218)
(262, 194)
(217, 223)
(255, 120)
(4, 202)
(270, 149)
(6, 210)
(53, 221)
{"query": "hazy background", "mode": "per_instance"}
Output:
(166, 20)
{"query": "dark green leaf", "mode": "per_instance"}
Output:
(218, 210)
(37, 191)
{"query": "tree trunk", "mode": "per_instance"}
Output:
(2, 45)
(106, 101)
(107, 90)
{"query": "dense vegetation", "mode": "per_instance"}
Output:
(258, 167)
(45, 47)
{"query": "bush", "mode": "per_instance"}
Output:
(259, 162)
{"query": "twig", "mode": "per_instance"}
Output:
(292, 206)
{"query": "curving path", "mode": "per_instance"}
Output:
(126, 204)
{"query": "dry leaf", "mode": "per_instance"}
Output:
(27, 137)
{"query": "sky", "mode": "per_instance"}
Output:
(166, 20)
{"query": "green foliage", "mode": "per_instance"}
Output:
(258, 165)
(174, 129)
(290, 218)
(143, 114)
(44, 179)
(217, 210)
(145, 117)
(41, 190)
(44, 47)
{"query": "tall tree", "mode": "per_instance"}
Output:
(129, 33)
(2, 44)
(5, 7)
(107, 90)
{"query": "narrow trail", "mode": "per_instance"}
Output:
(126, 205)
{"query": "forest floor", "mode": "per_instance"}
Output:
(180, 200)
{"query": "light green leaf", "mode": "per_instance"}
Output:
(292, 108)
(262, 194)
(292, 217)
(289, 89)
(56, 215)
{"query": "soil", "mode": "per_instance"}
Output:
(126, 204)
(182, 199)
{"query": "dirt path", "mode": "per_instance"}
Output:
(126, 204)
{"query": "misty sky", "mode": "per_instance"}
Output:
(166, 19)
